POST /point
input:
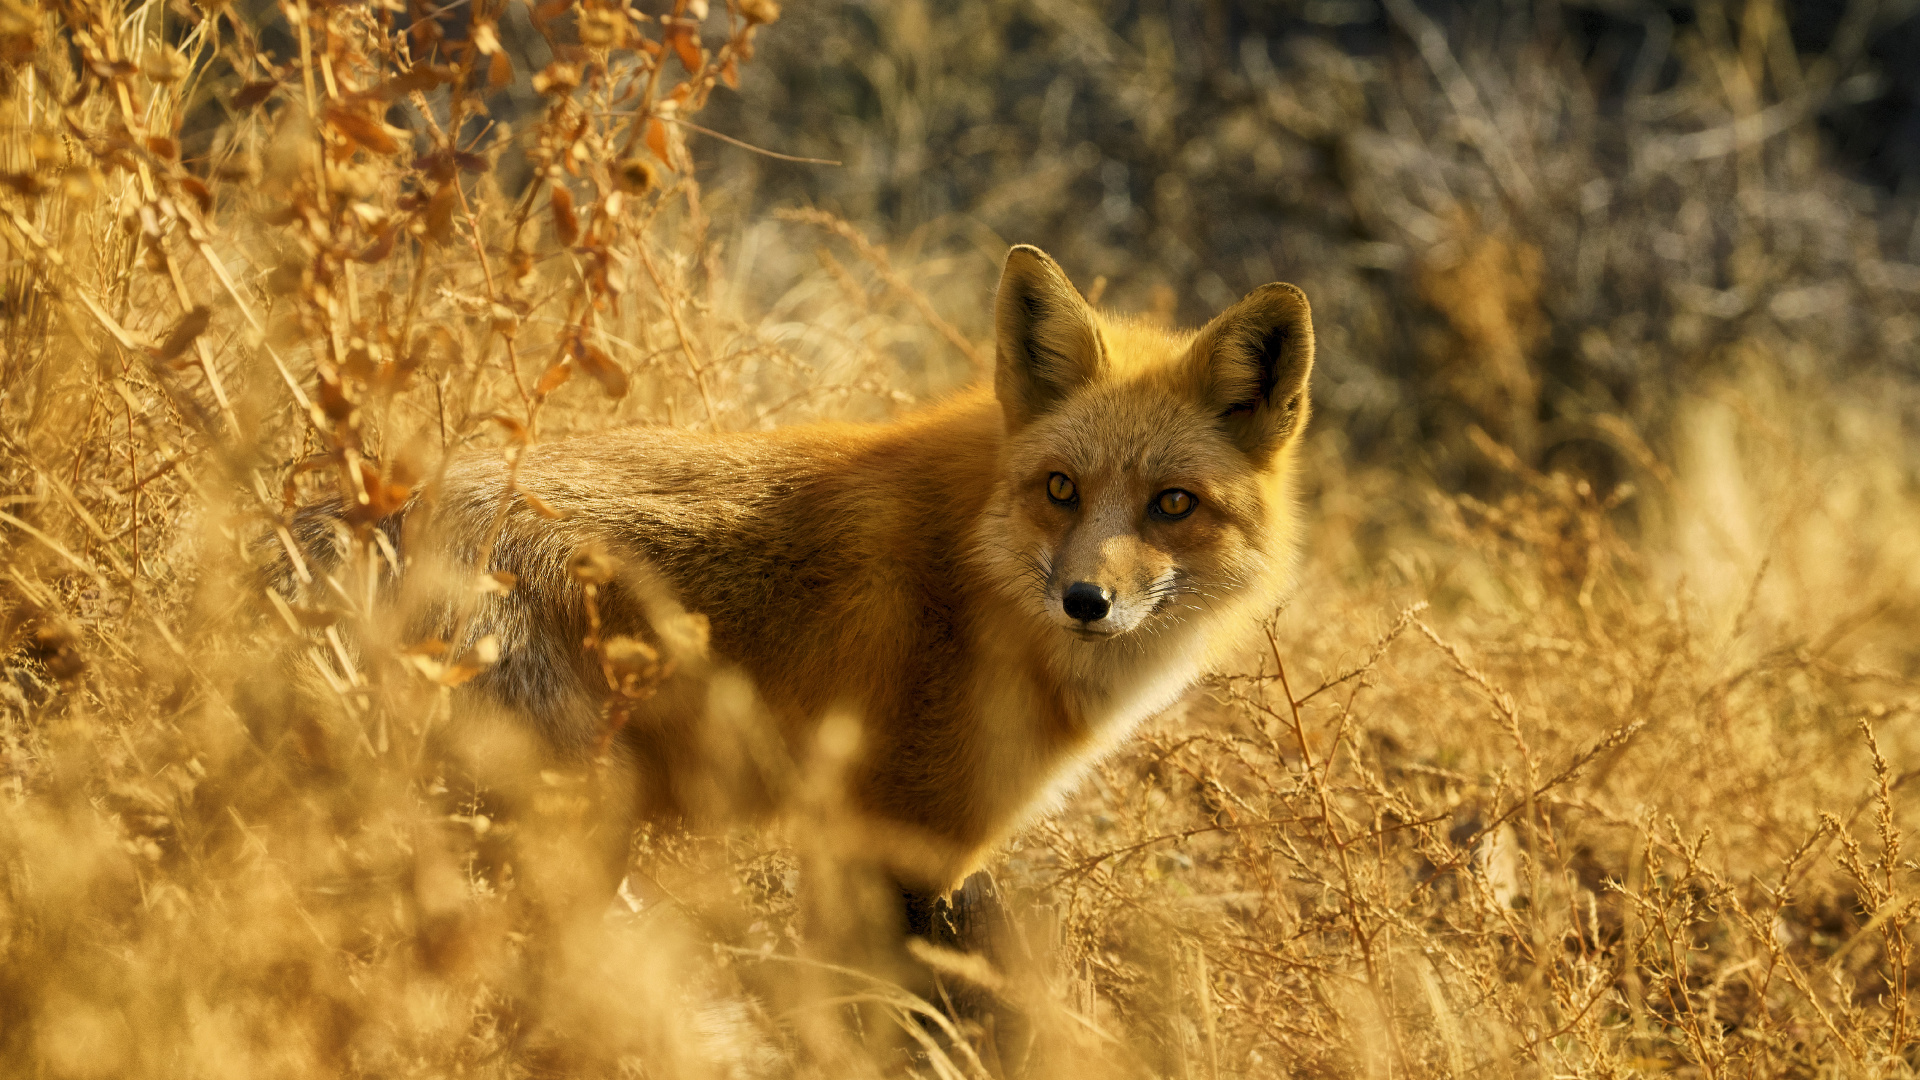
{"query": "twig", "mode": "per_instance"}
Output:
(672, 305)
(1381, 992)
(1086, 865)
(493, 300)
(761, 150)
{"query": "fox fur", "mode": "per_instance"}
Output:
(908, 578)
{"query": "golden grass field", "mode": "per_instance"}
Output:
(1544, 769)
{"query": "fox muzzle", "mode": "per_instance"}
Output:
(1086, 602)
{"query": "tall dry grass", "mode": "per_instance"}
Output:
(1583, 748)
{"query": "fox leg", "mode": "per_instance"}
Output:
(973, 919)
(968, 919)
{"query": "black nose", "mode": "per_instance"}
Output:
(1086, 601)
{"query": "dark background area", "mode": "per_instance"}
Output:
(1521, 216)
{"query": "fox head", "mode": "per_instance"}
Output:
(1146, 475)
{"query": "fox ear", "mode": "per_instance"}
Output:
(1044, 336)
(1252, 363)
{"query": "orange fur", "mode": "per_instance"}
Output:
(910, 575)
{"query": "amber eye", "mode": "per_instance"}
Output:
(1174, 503)
(1060, 489)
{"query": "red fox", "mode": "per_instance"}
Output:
(990, 593)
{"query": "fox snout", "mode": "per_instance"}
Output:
(1091, 610)
(1106, 581)
(1086, 602)
(1111, 603)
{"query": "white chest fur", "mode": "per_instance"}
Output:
(1111, 686)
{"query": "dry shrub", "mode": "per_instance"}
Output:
(1586, 769)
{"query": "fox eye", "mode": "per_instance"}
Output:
(1060, 489)
(1174, 503)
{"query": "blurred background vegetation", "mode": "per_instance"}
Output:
(1520, 215)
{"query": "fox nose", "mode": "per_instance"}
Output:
(1087, 602)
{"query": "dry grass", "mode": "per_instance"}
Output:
(1577, 764)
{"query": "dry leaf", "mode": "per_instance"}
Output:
(516, 430)
(611, 376)
(201, 196)
(252, 94)
(686, 45)
(419, 77)
(440, 213)
(381, 247)
(362, 129)
(384, 496)
(565, 225)
(657, 140)
(553, 378)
